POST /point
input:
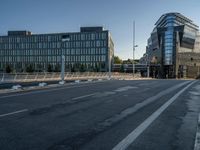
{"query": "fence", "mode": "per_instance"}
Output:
(39, 77)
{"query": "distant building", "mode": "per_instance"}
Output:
(174, 47)
(91, 49)
(128, 68)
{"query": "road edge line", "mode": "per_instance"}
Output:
(197, 139)
(131, 137)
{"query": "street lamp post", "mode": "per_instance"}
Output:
(109, 66)
(147, 64)
(62, 65)
(64, 39)
(134, 59)
(134, 46)
(63, 69)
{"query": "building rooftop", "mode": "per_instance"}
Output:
(82, 29)
(91, 29)
(23, 33)
(176, 14)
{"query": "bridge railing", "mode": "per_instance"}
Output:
(44, 76)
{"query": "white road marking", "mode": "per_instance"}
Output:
(104, 94)
(84, 96)
(126, 88)
(130, 110)
(126, 142)
(194, 93)
(197, 139)
(13, 113)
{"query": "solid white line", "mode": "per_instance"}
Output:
(140, 129)
(12, 113)
(84, 96)
(197, 139)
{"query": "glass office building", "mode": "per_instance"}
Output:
(173, 45)
(91, 49)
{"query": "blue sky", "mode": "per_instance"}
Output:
(44, 16)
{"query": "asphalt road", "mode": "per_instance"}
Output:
(133, 115)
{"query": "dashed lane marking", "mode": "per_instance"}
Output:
(13, 113)
(84, 96)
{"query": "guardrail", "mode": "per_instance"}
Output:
(31, 77)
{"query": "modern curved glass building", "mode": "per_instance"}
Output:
(173, 49)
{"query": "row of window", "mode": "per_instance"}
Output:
(168, 55)
(168, 40)
(54, 52)
(168, 61)
(168, 45)
(83, 58)
(53, 37)
(44, 45)
(54, 64)
(97, 43)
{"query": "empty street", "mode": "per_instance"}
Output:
(137, 114)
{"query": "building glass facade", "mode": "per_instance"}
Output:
(174, 37)
(91, 49)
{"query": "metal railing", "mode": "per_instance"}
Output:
(33, 77)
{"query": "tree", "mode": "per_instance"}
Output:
(130, 61)
(77, 67)
(49, 68)
(117, 60)
(122, 68)
(8, 69)
(72, 69)
(39, 68)
(96, 68)
(57, 68)
(103, 65)
(29, 68)
(82, 68)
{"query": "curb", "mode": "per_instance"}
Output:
(31, 88)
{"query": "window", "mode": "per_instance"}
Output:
(87, 43)
(92, 36)
(98, 43)
(82, 36)
(104, 36)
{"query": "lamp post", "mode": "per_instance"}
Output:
(64, 39)
(147, 64)
(62, 65)
(63, 68)
(134, 59)
(134, 46)
(109, 66)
